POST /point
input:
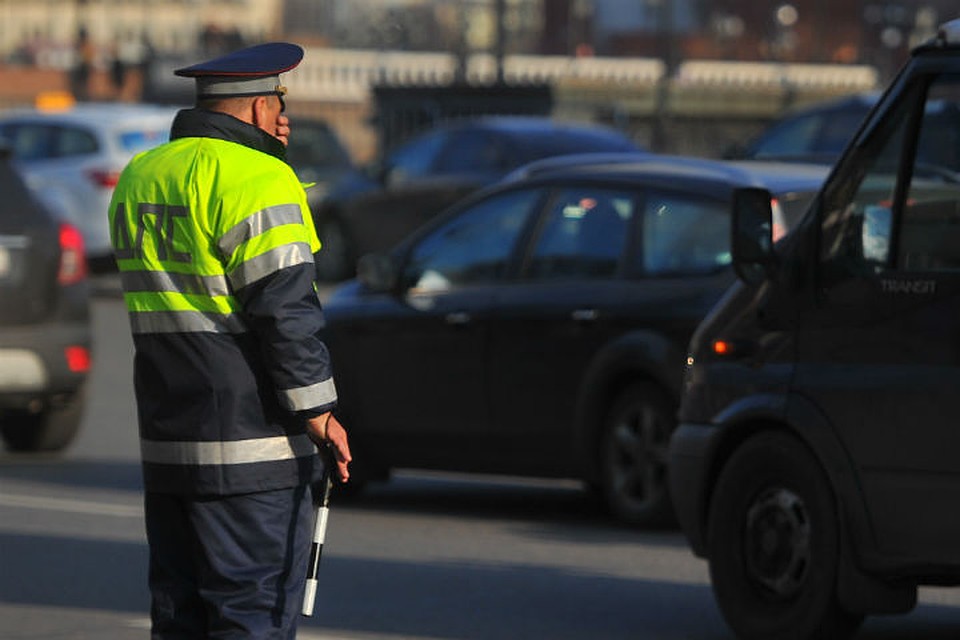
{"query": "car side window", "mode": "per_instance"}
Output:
(72, 141)
(472, 248)
(582, 235)
(684, 235)
(863, 205)
(31, 141)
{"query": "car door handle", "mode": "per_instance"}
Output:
(458, 318)
(584, 315)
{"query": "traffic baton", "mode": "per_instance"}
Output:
(319, 531)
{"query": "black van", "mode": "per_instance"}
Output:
(816, 465)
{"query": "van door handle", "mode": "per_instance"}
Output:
(584, 315)
(458, 318)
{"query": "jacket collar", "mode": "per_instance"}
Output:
(200, 123)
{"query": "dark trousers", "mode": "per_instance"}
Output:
(228, 566)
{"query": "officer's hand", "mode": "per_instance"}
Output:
(283, 129)
(326, 429)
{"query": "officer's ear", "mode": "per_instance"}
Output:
(261, 112)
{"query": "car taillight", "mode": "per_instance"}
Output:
(78, 359)
(73, 264)
(104, 178)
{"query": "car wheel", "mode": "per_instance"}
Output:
(50, 430)
(633, 455)
(335, 257)
(774, 544)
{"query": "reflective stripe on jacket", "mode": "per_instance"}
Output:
(214, 241)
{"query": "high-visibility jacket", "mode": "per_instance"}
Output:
(214, 242)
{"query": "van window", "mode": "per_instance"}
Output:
(930, 224)
(860, 204)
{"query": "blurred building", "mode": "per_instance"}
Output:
(55, 33)
(690, 68)
(875, 32)
(310, 21)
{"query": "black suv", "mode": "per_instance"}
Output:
(44, 321)
(817, 461)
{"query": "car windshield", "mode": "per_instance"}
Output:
(822, 134)
(537, 145)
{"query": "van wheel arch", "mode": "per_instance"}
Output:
(858, 591)
(773, 490)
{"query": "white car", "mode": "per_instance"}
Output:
(73, 157)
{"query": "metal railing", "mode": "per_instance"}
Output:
(347, 75)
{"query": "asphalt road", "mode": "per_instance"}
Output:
(425, 557)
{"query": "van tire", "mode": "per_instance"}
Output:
(774, 544)
(633, 455)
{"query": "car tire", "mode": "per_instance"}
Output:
(335, 258)
(633, 456)
(49, 430)
(774, 544)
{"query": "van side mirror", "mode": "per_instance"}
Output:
(378, 272)
(752, 234)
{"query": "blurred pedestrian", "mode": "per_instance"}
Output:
(214, 241)
(84, 59)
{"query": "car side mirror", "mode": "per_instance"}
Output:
(752, 234)
(378, 272)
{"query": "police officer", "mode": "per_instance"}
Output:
(214, 241)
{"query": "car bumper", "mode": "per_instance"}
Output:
(34, 363)
(692, 449)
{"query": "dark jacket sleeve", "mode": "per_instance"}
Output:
(271, 268)
(285, 313)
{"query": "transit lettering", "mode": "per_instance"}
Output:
(918, 287)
